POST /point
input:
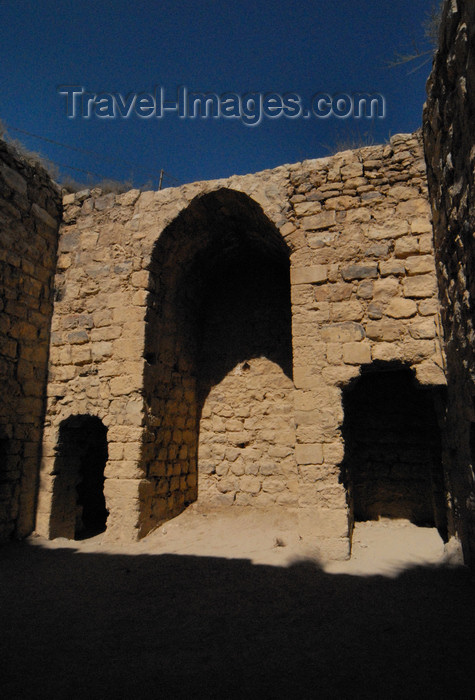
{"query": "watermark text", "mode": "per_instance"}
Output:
(250, 108)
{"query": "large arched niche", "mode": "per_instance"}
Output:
(218, 350)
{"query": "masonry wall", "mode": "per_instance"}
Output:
(209, 394)
(30, 211)
(449, 145)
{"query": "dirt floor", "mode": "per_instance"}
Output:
(235, 606)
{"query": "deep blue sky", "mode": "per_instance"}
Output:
(208, 45)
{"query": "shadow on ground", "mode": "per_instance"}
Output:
(119, 626)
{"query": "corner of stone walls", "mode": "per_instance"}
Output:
(449, 147)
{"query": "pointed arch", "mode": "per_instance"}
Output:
(219, 303)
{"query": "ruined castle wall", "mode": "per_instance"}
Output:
(214, 327)
(30, 211)
(450, 151)
(363, 292)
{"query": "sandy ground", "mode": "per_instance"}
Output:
(235, 606)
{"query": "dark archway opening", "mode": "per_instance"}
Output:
(244, 313)
(393, 463)
(79, 509)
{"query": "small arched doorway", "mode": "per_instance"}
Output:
(393, 454)
(79, 509)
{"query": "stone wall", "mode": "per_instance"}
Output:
(218, 375)
(30, 212)
(450, 152)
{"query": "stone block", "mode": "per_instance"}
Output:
(102, 318)
(82, 195)
(307, 208)
(388, 352)
(420, 286)
(342, 203)
(392, 267)
(140, 279)
(357, 353)
(347, 311)
(351, 170)
(115, 451)
(339, 291)
(334, 353)
(424, 329)
(405, 247)
(402, 193)
(313, 274)
(401, 308)
(428, 307)
(78, 337)
(365, 290)
(359, 215)
(81, 355)
(129, 384)
(415, 351)
(105, 202)
(340, 376)
(129, 198)
(287, 228)
(386, 289)
(129, 348)
(416, 208)
(426, 244)
(105, 333)
(68, 199)
(343, 332)
(431, 374)
(385, 330)
(101, 350)
(421, 225)
(394, 228)
(375, 311)
(333, 452)
(359, 272)
(250, 484)
(419, 264)
(309, 454)
(318, 221)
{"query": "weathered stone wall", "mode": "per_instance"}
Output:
(363, 291)
(449, 145)
(30, 212)
(247, 439)
(172, 326)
